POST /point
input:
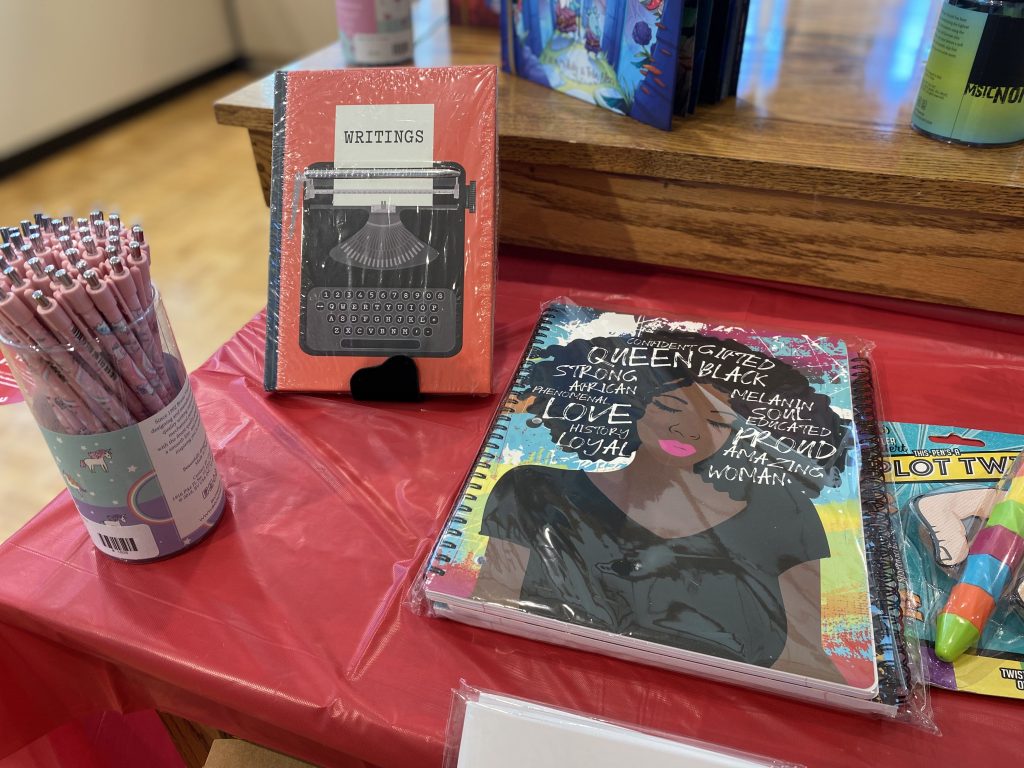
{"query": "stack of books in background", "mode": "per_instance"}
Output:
(474, 13)
(648, 59)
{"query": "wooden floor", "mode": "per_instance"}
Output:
(192, 184)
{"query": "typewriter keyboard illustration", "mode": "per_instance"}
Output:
(368, 319)
(383, 278)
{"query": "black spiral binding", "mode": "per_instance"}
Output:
(885, 563)
(492, 445)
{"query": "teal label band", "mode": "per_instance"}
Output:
(148, 490)
(973, 85)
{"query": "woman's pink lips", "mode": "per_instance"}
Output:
(675, 448)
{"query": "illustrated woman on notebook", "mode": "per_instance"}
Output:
(708, 539)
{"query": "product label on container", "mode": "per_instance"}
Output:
(382, 48)
(375, 31)
(973, 85)
(9, 392)
(148, 490)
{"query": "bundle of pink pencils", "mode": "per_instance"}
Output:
(80, 323)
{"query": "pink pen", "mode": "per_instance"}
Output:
(65, 244)
(25, 253)
(124, 284)
(49, 253)
(91, 392)
(71, 292)
(64, 403)
(110, 252)
(103, 297)
(138, 263)
(115, 238)
(18, 283)
(70, 259)
(139, 236)
(92, 255)
(99, 230)
(123, 380)
(39, 247)
(57, 320)
(37, 278)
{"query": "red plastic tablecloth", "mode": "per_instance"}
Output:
(289, 624)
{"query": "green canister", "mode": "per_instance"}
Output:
(972, 91)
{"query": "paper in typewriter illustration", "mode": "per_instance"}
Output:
(383, 238)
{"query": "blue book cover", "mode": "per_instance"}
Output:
(618, 54)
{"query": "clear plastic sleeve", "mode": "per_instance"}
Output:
(382, 245)
(962, 515)
(491, 730)
(86, 337)
(700, 497)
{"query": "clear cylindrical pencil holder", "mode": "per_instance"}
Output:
(116, 409)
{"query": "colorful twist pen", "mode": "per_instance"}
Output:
(992, 563)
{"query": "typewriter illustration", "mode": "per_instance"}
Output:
(383, 279)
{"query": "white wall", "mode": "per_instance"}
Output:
(66, 62)
(274, 32)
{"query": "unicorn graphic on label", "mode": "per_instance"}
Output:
(72, 483)
(96, 460)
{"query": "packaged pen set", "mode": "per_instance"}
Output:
(382, 227)
(946, 483)
(86, 337)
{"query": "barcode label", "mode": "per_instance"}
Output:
(125, 542)
(118, 544)
(382, 47)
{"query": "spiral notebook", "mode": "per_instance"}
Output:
(692, 496)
